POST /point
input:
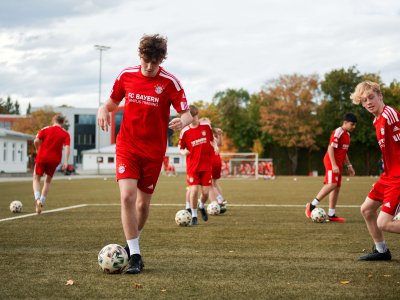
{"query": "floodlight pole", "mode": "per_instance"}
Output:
(101, 48)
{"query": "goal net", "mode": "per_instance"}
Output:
(246, 165)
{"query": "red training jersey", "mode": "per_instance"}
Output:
(198, 141)
(387, 127)
(53, 139)
(144, 127)
(340, 141)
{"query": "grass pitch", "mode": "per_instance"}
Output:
(265, 251)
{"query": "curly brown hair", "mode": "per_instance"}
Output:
(153, 48)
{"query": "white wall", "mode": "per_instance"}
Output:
(13, 155)
(90, 165)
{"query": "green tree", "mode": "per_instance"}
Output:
(238, 117)
(28, 110)
(288, 113)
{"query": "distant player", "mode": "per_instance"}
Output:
(216, 168)
(385, 192)
(149, 91)
(334, 158)
(49, 143)
(196, 143)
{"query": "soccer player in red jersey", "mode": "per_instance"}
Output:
(386, 191)
(196, 143)
(334, 158)
(49, 144)
(149, 91)
(215, 194)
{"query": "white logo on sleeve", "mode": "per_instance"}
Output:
(121, 168)
(387, 205)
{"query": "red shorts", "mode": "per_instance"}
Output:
(387, 192)
(216, 167)
(130, 165)
(47, 168)
(331, 177)
(199, 178)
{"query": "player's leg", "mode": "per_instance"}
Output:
(187, 199)
(333, 198)
(369, 212)
(129, 217)
(216, 187)
(205, 190)
(325, 190)
(194, 194)
(386, 223)
(37, 174)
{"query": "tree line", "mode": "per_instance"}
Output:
(291, 118)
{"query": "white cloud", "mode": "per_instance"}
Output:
(47, 54)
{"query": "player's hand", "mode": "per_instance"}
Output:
(103, 118)
(335, 169)
(64, 166)
(176, 124)
(218, 131)
(351, 170)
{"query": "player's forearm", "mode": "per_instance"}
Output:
(109, 105)
(186, 118)
(67, 153)
(331, 153)
(37, 143)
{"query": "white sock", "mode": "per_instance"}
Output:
(381, 247)
(187, 205)
(134, 246)
(201, 204)
(220, 199)
(194, 212)
(315, 202)
(37, 195)
(331, 212)
(43, 199)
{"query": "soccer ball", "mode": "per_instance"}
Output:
(396, 217)
(113, 259)
(16, 206)
(213, 209)
(318, 215)
(183, 217)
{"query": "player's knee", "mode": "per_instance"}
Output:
(382, 224)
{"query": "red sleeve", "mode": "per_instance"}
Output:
(182, 144)
(118, 90)
(41, 134)
(67, 140)
(179, 101)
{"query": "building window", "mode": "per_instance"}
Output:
(176, 160)
(7, 124)
(85, 119)
(5, 152)
(22, 152)
(111, 159)
(13, 152)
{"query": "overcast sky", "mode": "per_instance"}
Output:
(47, 54)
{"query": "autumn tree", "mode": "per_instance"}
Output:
(288, 113)
(36, 121)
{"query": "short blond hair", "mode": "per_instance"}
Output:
(363, 89)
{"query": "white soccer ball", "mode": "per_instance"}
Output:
(113, 259)
(318, 215)
(213, 209)
(16, 206)
(183, 217)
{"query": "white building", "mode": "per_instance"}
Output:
(102, 161)
(14, 151)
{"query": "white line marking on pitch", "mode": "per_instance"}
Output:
(44, 212)
(161, 204)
